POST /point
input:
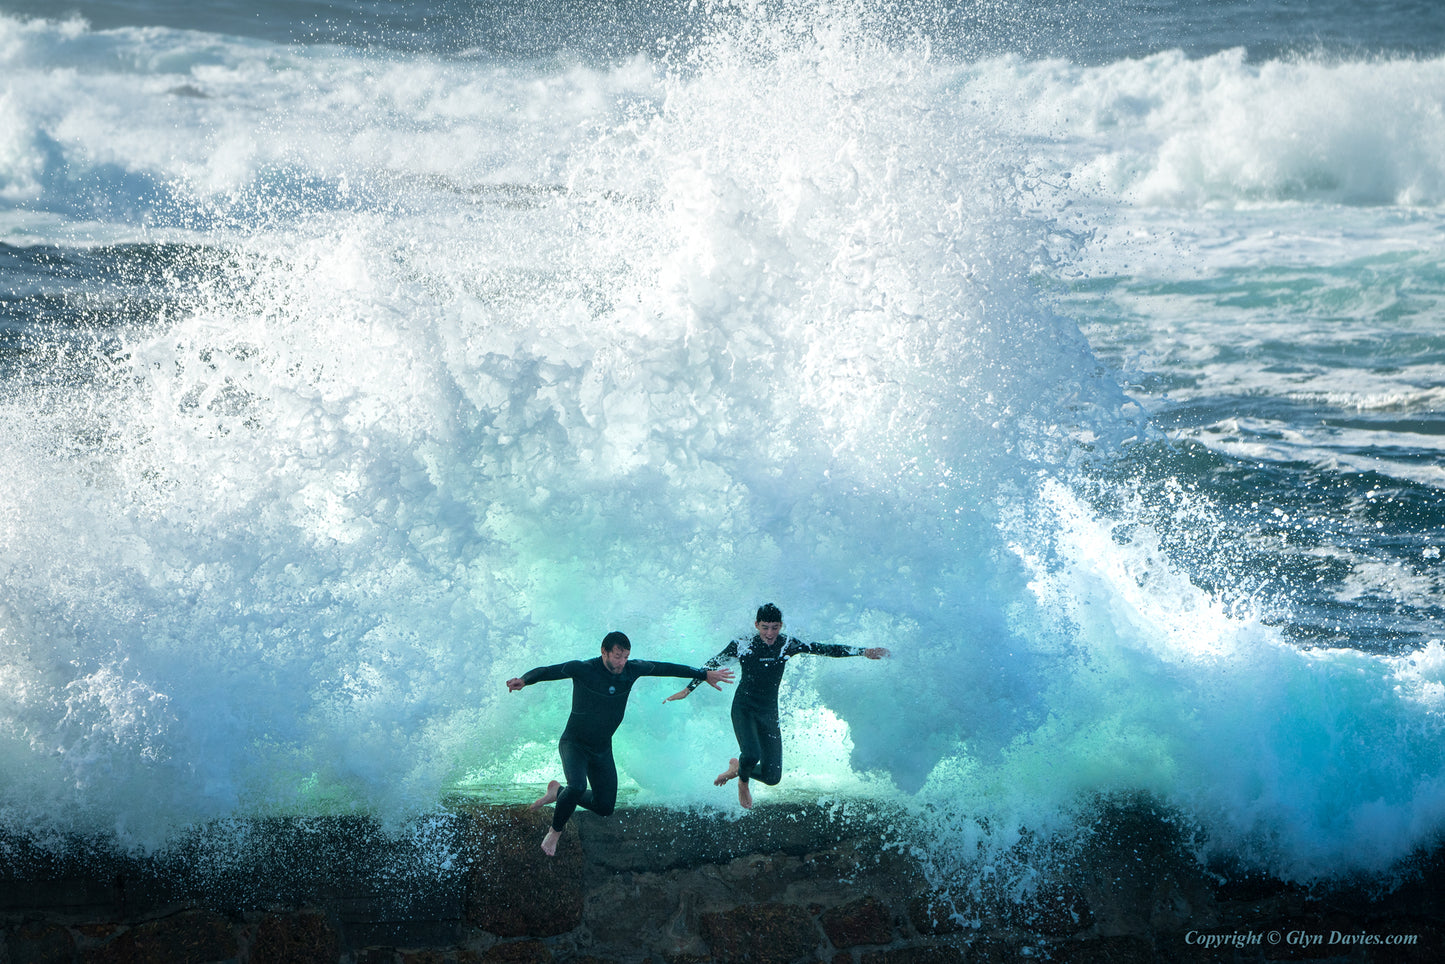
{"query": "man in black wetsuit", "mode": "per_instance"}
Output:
(600, 688)
(755, 704)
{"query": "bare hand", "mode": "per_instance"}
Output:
(877, 652)
(681, 694)
(515, 684)
(715, 676)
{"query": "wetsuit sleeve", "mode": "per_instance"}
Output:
(730, 651)
(651, 668)
(825, 649)
(543, 674)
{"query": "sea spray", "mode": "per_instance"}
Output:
(1265, 751)
(352, 475)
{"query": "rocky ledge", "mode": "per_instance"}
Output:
(787, 883)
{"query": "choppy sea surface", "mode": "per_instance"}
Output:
(358, 356)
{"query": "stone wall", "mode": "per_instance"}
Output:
(783, 884)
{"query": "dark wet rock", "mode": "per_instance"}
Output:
(926, 953)
(294, 938)
(39, 941)
(516, 890)
(195, 935)
(760, 934)
(519, 952)
(784, 884)
(865, 921)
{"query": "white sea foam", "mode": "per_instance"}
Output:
(1172, 131)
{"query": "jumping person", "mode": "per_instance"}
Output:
(600, 687)
(755, 704)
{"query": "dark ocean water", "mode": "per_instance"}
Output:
(1092, 32)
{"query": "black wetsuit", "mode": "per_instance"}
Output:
(755, 705)
(599, 699)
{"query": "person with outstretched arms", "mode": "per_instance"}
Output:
(755, 703)
(600, 687)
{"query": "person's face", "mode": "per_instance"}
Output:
(769, 631)
(615, 659)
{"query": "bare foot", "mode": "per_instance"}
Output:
(549, 842)
(549, 797)
(745, 795)
(728, 774)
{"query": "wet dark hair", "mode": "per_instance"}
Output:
(768, 613)
(614, 639)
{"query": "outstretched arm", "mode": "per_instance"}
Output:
(836, 649)
(541, 675)
(713, 677)
(730, 651)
